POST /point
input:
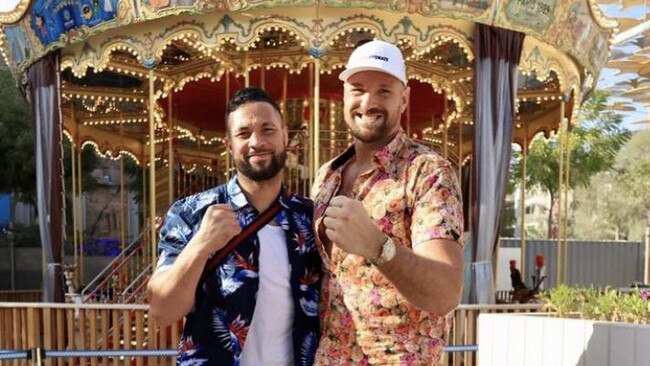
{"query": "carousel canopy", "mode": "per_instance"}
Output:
(199, 52)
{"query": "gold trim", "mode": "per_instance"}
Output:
(601, 19)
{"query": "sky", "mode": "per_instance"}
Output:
(609, 77)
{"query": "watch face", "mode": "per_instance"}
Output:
(388, 251)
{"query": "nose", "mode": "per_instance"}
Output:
(255, 141)
(368, 101)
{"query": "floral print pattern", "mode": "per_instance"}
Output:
(413, 196)
(216, 328)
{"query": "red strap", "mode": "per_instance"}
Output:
(263, 219)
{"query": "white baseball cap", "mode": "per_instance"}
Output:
(376, 56)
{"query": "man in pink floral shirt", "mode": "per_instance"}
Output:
(389, 218)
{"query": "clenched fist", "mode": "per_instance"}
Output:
(218, 226)
(348, 226)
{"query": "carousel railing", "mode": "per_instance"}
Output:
(110, 284)
(118, 327)
(85, 327)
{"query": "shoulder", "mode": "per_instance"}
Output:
(422, 157)
(199, 202)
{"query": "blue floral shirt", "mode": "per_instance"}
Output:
(216, 328)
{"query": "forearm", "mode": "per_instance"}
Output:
(429, 284)
(171, 291)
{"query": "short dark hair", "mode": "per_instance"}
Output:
(249, 95)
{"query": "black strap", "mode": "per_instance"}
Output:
(263, 219)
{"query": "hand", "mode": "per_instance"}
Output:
(348, 226)
(218, 226)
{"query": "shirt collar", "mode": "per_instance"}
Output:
(385, 155)
(235, 194)
(382, 157)
(238, 199)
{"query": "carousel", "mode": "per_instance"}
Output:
(148, 80)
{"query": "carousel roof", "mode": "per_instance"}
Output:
(198, 52)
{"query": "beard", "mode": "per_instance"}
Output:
(370, 135)
(261, 173)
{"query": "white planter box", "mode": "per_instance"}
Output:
(542, 340)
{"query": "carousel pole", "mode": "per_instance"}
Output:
(122, 197)
(332, 127)
(247, 73)
(143, 199)
(567, 172)
(80, 226)
(75, 218)
(312, 129)
(408, 118)
(316, 115)
(284, 95)
(460, 149)
(143, 202)
(433, 130)
(152, 171)
(170, 145)
(444, 129)
(559, 247)
(522, 204)
(227, 173)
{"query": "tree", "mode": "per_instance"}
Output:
(17, 164)
(596, 137)
(633, 172)
(604, 210)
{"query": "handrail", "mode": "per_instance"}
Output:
(136, 282)
(104, 275)
(137, 290)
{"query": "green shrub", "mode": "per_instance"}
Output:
(595, 304)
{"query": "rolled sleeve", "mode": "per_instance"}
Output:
(174, 236)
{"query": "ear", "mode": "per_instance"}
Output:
(227, 142)
(406, 97)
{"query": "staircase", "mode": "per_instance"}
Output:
(124, 278)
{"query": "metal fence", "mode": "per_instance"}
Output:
(589, 263)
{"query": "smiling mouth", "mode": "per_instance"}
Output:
(367, 118)
(263, 155)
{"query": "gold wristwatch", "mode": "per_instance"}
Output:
(387, 252)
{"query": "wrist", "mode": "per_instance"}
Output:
(387, 252)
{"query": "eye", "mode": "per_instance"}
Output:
(243, 134)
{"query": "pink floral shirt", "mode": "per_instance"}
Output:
(413, 195)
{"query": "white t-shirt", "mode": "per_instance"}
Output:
(269, 341)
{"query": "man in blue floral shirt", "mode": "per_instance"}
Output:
(260, 306)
